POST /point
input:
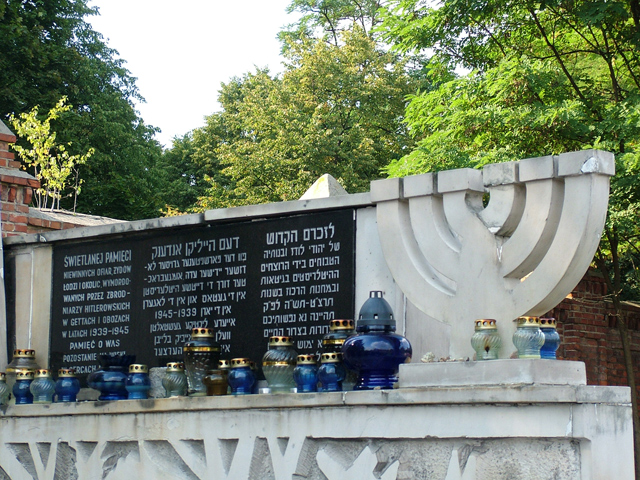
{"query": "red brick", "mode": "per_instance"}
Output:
(67, 226)
(20, 228)
(28, 195)
(55, 225)
(7, 138)
(22, 208)
(13, 192)
(35, 221)
(8, 227)
(8, 207)
(18, 219)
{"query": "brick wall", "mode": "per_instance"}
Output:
(16, 192)
(16, 188)
(588, 330)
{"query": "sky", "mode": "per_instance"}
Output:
(180, 52)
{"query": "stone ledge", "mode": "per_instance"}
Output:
(435, 396)
(493, 372)
(284, 208)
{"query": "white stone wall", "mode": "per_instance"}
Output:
(521, 432)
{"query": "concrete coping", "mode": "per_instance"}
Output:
(237, 214)
(402, 397)
(493, 372)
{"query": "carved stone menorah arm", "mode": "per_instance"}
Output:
(458, 260)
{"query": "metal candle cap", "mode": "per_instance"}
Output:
(175, 367)
(306, 360)
(548, 322)
(529, 322)
(24, 374)
(3, 377)
(280, 341)
(138, 368)
(486, 324)
(24, 353)
(331, 357)
(202, 332)
(240, 362)
(341, 324)
(43, 373)
(67, 373)
(223, 364)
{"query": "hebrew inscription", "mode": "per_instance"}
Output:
(247, 281)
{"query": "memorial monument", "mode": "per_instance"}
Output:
(446, 249)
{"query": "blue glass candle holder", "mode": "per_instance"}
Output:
(548, 326)
(67, 386)
(21, 389)
(110, 381)
(43, 387)
(339, 331)
(241, 377)
(376, 351)
(331, 372)
(138, 383)
(306, 374)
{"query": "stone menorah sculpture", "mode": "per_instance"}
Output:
(521, 254)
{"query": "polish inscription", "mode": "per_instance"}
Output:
(246, 281)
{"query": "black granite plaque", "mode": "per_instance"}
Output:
(247, 281)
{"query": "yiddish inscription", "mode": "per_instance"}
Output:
(246, 281)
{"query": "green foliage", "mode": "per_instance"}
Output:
(51, 162)
(336, 109)
(48, 50)
(546, 77)
(330, 19)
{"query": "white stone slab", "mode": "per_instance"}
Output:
(493, 372)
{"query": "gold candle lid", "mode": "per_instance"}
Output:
(24, 353)
(529, 322)
(486, 324)
(223, 364)
(138, 368)
(67, 373)
(24, 374)
(341, 324)
(202, 332)
(306, 359)
(331, 357)
(240, 362)
(42, 373)
(3, 377)
(175, 367)
(281, 341)
(548, 322)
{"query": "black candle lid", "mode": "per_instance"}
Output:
(376, 311)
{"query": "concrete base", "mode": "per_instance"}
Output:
(446, 433)
(493, 372)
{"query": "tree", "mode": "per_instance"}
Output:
(336, 109)
(51, 162)
(545, 77)
(330, 19)
(48, 50)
